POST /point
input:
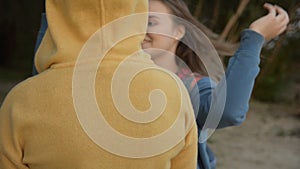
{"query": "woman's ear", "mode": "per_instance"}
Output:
(179, 32)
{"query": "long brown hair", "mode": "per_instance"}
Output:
(186, 54)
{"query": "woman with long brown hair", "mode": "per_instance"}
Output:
(172, 44)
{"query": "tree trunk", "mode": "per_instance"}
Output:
(216, 14)
(198, 9)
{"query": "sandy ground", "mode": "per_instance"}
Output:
(268, 139)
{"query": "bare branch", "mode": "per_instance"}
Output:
(233, 19)
(225, 48)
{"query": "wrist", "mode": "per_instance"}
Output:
(257, 31)
(250, 39)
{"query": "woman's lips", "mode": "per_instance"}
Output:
(145, 42)
(147, 39)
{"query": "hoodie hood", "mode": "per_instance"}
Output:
(72, 22)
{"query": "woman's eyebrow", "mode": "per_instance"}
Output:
(153, 16)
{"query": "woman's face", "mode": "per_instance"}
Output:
(162, 32)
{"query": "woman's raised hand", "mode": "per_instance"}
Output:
(272, 24)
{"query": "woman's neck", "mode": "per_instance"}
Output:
(167, 61)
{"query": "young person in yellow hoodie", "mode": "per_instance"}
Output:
(76, 114)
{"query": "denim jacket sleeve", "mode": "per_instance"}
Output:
(239, 78)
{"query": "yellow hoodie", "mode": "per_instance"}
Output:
(85, 111)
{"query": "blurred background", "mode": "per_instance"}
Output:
(270, 136)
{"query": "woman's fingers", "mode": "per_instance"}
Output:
(282, 15)
(283, 29)
(271, 9)
(282, 18)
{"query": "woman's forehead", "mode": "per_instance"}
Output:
(158, 6)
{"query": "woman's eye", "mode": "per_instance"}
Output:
(151, 23)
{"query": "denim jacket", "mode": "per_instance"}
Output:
(239, 78)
